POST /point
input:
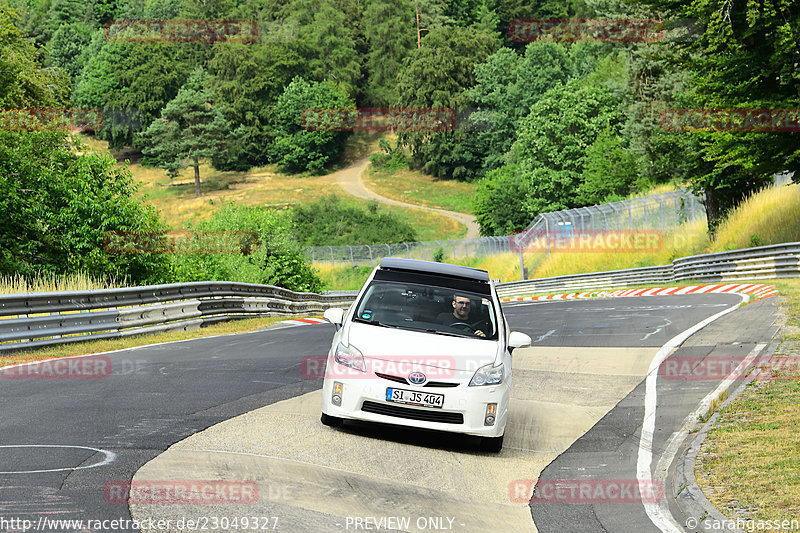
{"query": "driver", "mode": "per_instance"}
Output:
(461, 309)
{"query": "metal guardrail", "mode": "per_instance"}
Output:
(763, 262)
(34, 320)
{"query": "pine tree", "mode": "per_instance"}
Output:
(190, 129)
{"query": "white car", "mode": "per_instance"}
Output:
(424, 345)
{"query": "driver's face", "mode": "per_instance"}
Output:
(461, 306)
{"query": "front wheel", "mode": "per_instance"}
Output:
(332, 421)
(492, 444)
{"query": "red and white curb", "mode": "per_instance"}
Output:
(301, 321)
(756, 290)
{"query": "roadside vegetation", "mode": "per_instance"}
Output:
(767, 217)
(753, 447)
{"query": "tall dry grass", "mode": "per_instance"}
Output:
(770, 216)
(47, 282)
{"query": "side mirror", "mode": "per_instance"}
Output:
(334, 315)
(518, 340)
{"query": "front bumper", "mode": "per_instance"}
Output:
(468, 402)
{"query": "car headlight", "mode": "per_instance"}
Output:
(349, 356)
(487, 375)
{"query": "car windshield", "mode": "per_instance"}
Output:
(438, 310)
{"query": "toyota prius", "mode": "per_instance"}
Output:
(424, 345)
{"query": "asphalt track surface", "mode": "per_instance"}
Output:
(55, 430)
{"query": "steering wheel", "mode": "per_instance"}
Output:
(463, 325)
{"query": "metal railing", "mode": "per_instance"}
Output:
(764, 262)
(34, 320)
(660, 211)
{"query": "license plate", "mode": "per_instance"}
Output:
(411, 397)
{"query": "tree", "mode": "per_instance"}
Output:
(554, 138)
(331, 40)
(191, 128)
(390, 36)
(248, 79)
(610, 172)
(67, 45)
(57, 209)
(505, 89)
(437, 75)
(296, 149)
(497, 205)
(23, 81)
(746, 57)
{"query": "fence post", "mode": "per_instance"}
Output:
(332, 263)
(390, 250)
(408, 250)
(352, 261)
(371, 262)
(547, 235)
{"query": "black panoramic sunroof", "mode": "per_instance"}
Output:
(430, 267)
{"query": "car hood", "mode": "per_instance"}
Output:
(428, 349)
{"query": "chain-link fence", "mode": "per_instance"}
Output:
(659, 212)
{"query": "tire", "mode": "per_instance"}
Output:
(492, 444)
(331, 421)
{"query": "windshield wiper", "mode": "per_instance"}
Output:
(375, 323)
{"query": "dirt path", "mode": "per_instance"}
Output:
(350, 180)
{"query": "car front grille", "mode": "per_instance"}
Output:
(440, 384)
(392, 378)
(404, 381)
(412, 414)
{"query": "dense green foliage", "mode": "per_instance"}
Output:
(331, 222)
(277, 259)
(190, 129)
(57, 209)
(294, 147)
(544, 125)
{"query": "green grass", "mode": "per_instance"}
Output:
(414, 187)
(265, 186)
